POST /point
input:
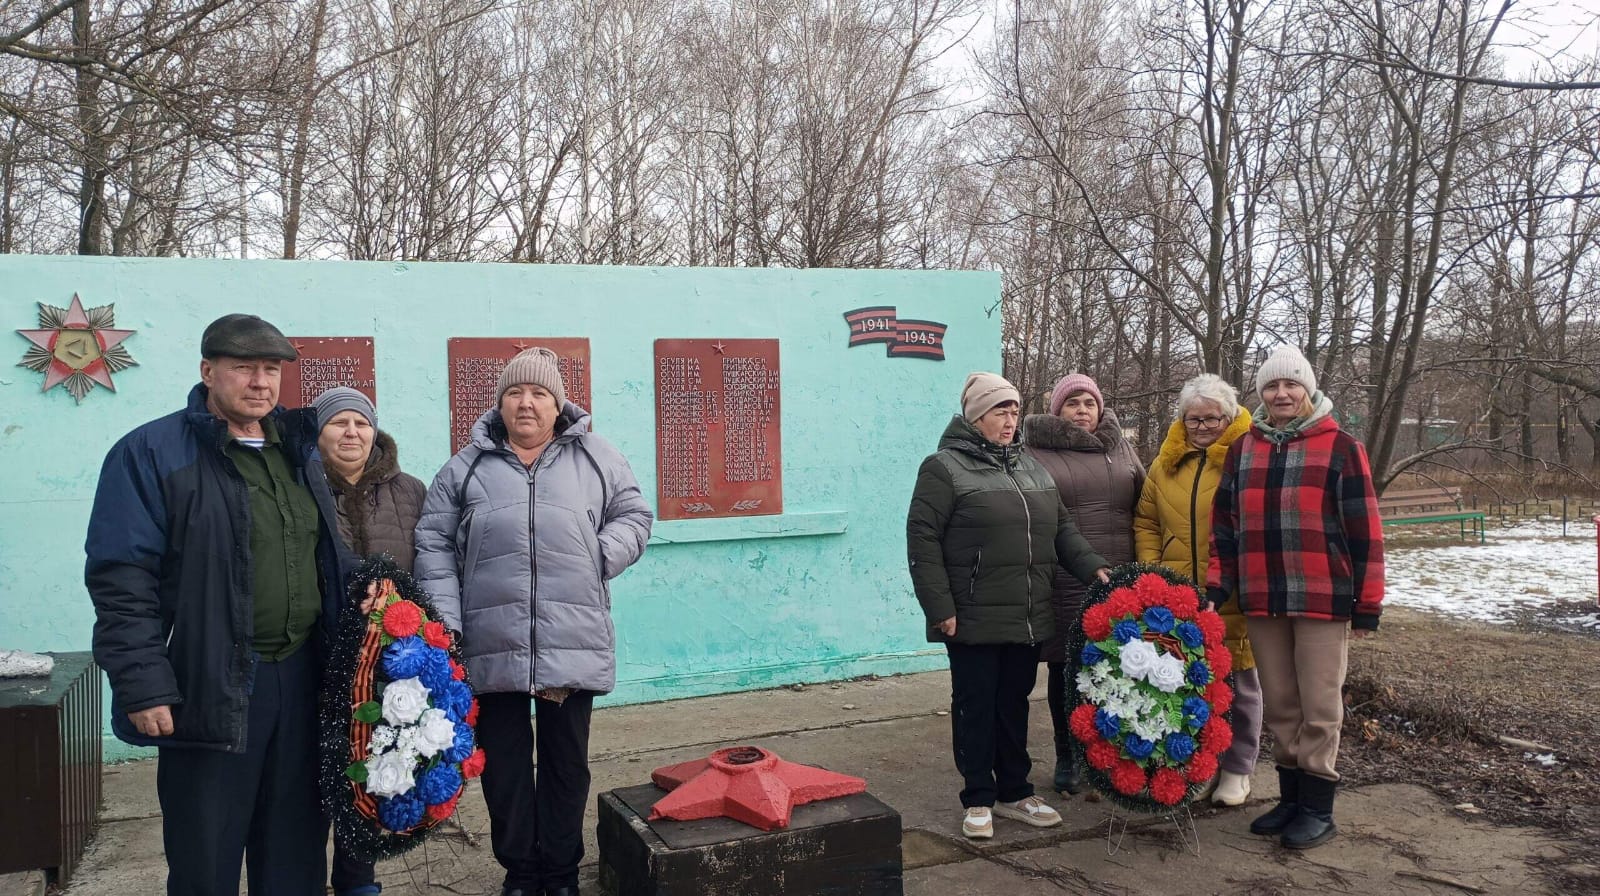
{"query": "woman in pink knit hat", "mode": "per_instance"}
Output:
(1099, 477)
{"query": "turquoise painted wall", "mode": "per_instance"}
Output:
(817, 593)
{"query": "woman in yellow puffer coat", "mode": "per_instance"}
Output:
(1172, 527)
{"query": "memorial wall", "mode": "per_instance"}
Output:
(774, 418)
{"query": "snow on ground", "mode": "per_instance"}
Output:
(1525, 572)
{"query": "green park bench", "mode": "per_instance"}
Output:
(1439, 504)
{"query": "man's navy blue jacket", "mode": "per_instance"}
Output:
(171, 576)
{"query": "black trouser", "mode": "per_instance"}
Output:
(1062, 695)
(259, 806)
(536, 817)
(349, 873)
(989, 688)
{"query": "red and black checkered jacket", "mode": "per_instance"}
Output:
(1295, 528)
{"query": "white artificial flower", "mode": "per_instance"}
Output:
(1168, 673)
(435, 732)
(389, 774)
(1138, 658)
(382, 739)
(404, 701)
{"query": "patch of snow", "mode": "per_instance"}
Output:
(1528, 567)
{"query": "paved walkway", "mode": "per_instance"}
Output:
(1394, 840)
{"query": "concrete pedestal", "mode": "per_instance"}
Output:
(849, 846)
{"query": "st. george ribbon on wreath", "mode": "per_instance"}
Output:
(1151, 714)
(398, 718)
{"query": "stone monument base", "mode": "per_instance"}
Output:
(849, 846)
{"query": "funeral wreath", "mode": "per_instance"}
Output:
(398, 718)
(1152, 694)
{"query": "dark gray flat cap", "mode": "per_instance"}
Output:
(245, 336)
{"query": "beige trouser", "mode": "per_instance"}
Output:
(1302, 663)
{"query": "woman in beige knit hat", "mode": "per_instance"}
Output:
(521, 535)
(985, 534)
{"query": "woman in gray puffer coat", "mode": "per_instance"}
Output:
(521, 533)
(1099, 477)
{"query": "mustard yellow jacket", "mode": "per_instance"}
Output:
(1172, 524)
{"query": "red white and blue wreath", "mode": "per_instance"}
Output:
(398, 718)
(1151, 717)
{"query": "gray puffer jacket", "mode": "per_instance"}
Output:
(519, 560)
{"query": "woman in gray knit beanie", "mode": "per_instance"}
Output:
(521, 534)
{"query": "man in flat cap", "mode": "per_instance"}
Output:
(214, 576)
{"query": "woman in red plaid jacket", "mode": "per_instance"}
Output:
(1296, 539)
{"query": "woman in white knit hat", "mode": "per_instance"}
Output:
(1297, 541)
(985, 533)
(521, 534)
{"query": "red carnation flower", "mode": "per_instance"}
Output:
(1127, 778)
(1202, 767)
(472, 714)
(402, 619)
(1097, 622)
(472, 766)
(1216, 736)
(458, 671)
(1101, 755)
(1082, 724)
(1220, 696)
(441, 811)
(1124, 603)
(1221, 662)
(434, 633)
(1183, 602)
(1168, 787)
(1151, 590)
(1212, 627)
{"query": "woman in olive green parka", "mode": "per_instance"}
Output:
(985, 534)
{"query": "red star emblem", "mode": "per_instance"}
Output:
(746, 784)
(720, 347)
(76, 347)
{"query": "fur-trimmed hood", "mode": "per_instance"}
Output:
(1175, 447)
(1053, 433)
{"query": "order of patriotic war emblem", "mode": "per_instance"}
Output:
(77, 348)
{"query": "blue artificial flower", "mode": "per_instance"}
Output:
(439, 783)
(401, 813)
(1196, 711)
(435, 671)
(1159, 619)
(1199, 673)
(1127, 630)
(1138, 747)
(1179, 746)
(1107, 724)
(1091, 655)
(405, 658)
(455, 698)
(462, 748)
(1190, 634)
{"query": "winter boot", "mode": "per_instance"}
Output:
(1314, 825)
(1069, 774)
(1288, 807)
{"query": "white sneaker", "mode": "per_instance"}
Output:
(1032, 811)
(978, 824)
(1232, 789)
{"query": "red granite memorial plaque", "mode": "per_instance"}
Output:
(475, 365)
(717, 428)
(325, 362)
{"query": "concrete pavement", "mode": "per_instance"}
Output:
(1394, 839)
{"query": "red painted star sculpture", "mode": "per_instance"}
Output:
(747, 784)
(76, 347)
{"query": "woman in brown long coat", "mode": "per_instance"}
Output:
(1099, 476)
